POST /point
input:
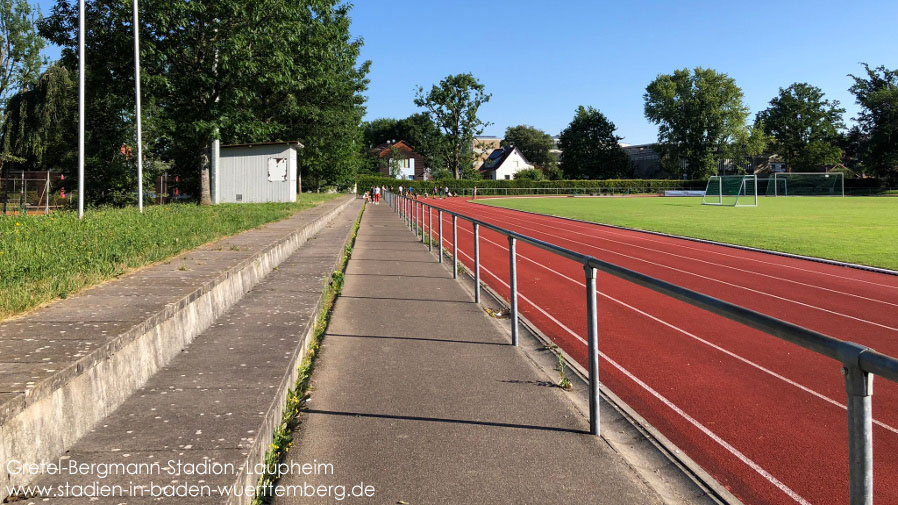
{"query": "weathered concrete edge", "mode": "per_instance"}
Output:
(56, 413)
(275, 411)
(681, 465)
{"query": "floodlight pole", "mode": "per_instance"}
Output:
(80, 109)
(137, 94)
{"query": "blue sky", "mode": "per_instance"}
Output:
(540, 60)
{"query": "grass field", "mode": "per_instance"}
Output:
(854, 229)
(43, 258)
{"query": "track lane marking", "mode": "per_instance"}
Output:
(680, 330)
(707, 432)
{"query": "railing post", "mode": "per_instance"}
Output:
(454, 246)
(592, 328)
(476, 263)
(423, 224)
(430, 228)
(859, 386)
(513, 286)
(440, 246)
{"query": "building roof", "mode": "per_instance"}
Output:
(384, 149)
(288, 142)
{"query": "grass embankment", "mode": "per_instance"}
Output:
(860, 230)
(43, 258)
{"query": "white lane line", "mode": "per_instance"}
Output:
(737, 286)
(710, 434)
(674, 243)
(699, 260)
(684, 332)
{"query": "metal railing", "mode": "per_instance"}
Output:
(859, 363)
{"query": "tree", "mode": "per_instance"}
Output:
(40, 125)
(698, 114)
(20, 60)
(804, 126)
(229, 69)
(533, 143)
(590, 149)
(531, 174)
(453, 106)
(877, 94)
(20, 48)
(417, 130)
(394, 162)
(748, 144)
(323, 104)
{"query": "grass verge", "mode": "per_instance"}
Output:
(43, 258)
(282, 440)
(852, 229)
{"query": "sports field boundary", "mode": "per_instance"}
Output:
(815, 259)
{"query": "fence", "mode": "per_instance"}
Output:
(859, 363)
(31, 193)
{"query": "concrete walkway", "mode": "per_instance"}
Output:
(418, 395)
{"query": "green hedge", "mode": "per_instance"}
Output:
(490, 187)
(460, 186)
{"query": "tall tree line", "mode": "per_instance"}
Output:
(237, 70)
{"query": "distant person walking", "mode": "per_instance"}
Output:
(376, 195)
(475, 193)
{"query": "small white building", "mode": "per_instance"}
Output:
(503, 163)
(255, 173)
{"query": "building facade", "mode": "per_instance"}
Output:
(408, 164)
(255, 173)
(504, 163)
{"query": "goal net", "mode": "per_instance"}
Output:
(732, 190)
(806, 184)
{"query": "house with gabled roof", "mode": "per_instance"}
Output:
(410, 164)
(503, 163)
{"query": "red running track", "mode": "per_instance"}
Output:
(766, 418)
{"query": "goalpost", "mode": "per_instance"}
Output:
(732, 190)
(806, 184)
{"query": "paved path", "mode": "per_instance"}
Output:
(418, 394)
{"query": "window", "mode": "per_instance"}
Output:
(507, 177)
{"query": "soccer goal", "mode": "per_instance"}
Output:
(806, 184)
(732, 190)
